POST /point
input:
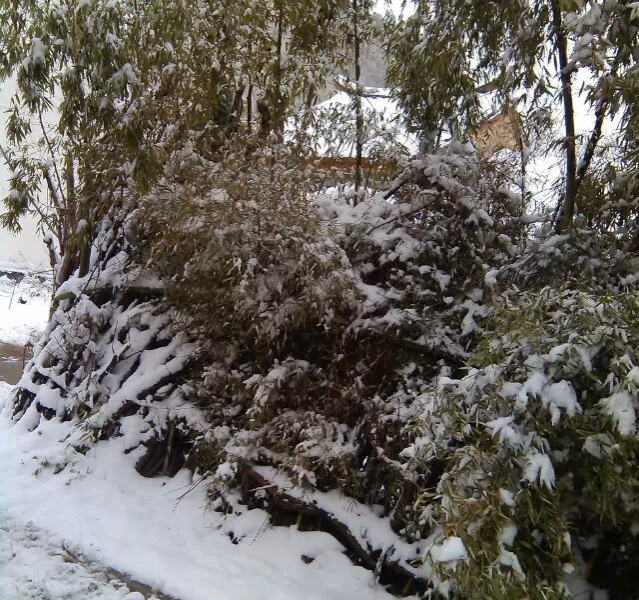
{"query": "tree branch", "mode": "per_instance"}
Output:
(600, 114)
(56, 202)
(52, 153)
(286, 502)
(567, 203)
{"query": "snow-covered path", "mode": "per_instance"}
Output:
(24, 309)
(99, 508)
(33, 568)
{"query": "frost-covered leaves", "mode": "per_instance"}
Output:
(539, 440)
(248, 256)
(423, 262)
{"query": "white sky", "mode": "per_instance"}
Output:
(382, 5)
(26, 249)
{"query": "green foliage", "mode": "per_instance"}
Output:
(109, 91)
(539, 440)
(446, 50)
(444, 56)
(243, 239)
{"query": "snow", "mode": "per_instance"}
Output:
(21, 323)
(507, 497)
(449, 550)
(32, 567)
(540, 467)
(508, 534)
(620, 407)
(149, 529)
(490, 279)
(593, 447)
(38, 51)
(502, 427)
(560, 395)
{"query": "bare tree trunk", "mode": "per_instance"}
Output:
(249, 110)
(277, 101)
(359, 116)
(567, 203)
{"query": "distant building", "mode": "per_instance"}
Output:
(373, 63)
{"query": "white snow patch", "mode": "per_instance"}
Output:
(508, 434)
(24, 309)
(490, 279)
(558, 396)
(592, 447)
(620, 407)
(538, 466)
(507, 497)
(449, 550)
(34, 568)
(146, 528)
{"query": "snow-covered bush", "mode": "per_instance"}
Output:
(110, 361)
(256, 274)
(427, 256)
(422, 371)
(244, 240)
(364, 361)
(324, 318)
(537, 445)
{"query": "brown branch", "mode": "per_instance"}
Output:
(169, 444)
(595, 136)
(397, 218)
(56, 202)
(600, 114)
(397, 185)
(369, 559)
(249, 109)
(342, 87)
(52, 153)
(53, 258)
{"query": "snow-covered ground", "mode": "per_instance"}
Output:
(31, 566)
(24, 309)
(62, 536)
(99, 508)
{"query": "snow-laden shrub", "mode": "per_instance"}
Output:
(110, 361)
(247, 256)
(536, 447)
(426, 257)
(309, 350)
(257, 275)
(324, 317)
